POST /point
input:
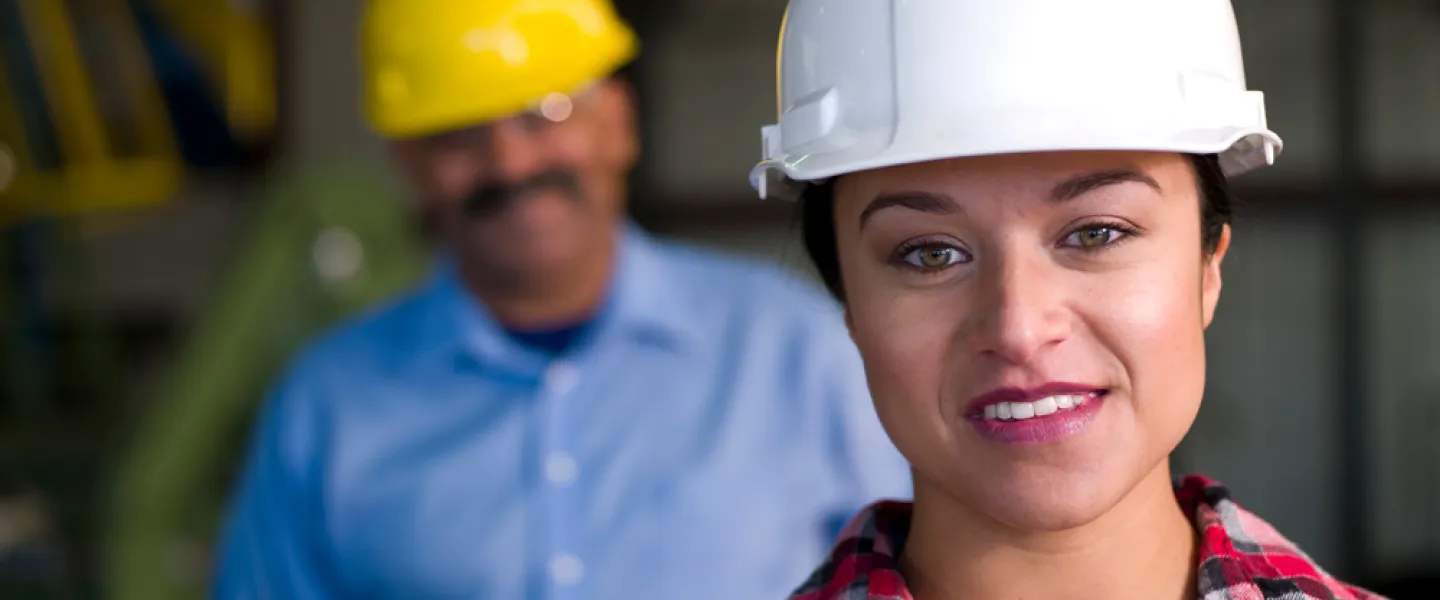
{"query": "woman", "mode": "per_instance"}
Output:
(1023, 207)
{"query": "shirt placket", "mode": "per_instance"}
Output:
(560, 471)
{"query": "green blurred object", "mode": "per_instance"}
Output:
(326, 244)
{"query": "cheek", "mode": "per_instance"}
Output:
(906, 338)
(909, 332)
(1151, 320)
(574, 149)
(576, 145)
(580, 150)
(444, 176)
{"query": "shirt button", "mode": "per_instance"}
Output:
(561, 469)
(566, 569)
(561, 377)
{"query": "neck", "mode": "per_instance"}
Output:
(1143, 548)
(553, 296)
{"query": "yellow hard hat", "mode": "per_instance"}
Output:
(437, 65)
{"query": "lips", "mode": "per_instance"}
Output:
(1019, 396)
(1049, 405)
(1041, 414)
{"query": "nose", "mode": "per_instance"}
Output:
(1019, 309)
(514, 153)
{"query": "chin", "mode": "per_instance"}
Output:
(537, 268)
(536, 254)
(1045, 500)
(1043, 514)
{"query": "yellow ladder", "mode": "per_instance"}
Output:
(83, 123)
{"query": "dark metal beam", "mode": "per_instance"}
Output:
(648, 19)
(281, 16)
(1349, 207)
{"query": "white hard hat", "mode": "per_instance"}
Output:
(865, 84)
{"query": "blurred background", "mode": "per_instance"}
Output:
(187, 193)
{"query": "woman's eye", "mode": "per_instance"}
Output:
(934, 257)
(1093, 237)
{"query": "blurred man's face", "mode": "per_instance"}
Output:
(534, 195)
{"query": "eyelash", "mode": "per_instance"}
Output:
(903, 253)
(1126, 232)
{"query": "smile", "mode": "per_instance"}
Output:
(1045, 414)
(1049, 405)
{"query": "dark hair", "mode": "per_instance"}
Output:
(817, 218)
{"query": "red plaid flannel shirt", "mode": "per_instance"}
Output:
(1241, 556)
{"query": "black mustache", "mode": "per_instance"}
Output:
(487, 200)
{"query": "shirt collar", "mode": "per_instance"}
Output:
(643, 304)
(1241, 556)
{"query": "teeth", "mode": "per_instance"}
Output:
(1046, 406)
(1027, 410)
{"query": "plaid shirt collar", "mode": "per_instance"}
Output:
(1241, 556)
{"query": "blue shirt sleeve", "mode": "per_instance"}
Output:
(273, 544)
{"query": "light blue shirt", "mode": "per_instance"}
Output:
(704, 440)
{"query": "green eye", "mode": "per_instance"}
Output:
(1098, 236)
(934, 257)
(1094, 237)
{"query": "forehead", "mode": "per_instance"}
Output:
(1032, 176)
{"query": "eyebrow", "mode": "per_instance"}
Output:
(942, 204)
(929, 202)
(1083, 184)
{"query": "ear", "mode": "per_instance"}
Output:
(620, 142)
(1210, 286)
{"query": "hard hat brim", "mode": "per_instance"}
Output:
(1241, 149)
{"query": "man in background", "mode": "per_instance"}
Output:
(569, 408)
